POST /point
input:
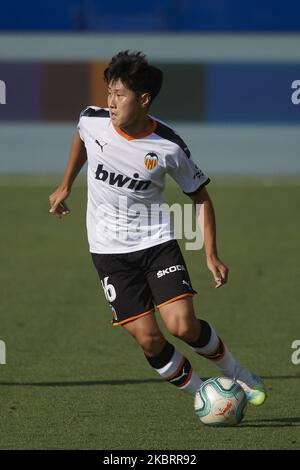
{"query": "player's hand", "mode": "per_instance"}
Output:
(219, 271)
(58, 206)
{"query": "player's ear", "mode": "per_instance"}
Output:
(145, 100)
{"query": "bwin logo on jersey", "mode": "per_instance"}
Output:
(116, 179)
(171, 269)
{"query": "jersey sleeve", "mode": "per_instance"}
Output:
(80, 127)
(182, 168)
(89, 112)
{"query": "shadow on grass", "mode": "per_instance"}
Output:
(116, 382)
(281, 377)
(81, 383)
(272, 423)
(257, 423)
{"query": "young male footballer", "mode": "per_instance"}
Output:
(131, 239)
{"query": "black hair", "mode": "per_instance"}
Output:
(133, 69)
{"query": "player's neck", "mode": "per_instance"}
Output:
(142, 125)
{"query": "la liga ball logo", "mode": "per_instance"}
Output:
(151, 160)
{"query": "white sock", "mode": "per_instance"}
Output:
(230, 367)
(217, 352)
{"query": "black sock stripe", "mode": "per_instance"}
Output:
(163, 357)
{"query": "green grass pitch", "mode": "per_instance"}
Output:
(71, 381)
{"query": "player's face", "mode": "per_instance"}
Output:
(126, 108)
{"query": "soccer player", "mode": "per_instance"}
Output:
(131, 240)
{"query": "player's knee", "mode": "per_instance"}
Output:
(185, 331)
(151, 344)
(176, 327)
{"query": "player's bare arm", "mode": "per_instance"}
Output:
(77, 159)
(207, 224)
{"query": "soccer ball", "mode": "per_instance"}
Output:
(220, 401)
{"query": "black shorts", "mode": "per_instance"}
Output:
(134, 282)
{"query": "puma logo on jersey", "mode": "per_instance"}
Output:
(116, 179)
(101, 145)
(171, 269)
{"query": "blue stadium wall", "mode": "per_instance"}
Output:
(229, 96)
(155, 16)
(193, 92)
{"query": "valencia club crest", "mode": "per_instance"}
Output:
(151, 160)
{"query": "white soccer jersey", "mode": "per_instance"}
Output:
(126, 179)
